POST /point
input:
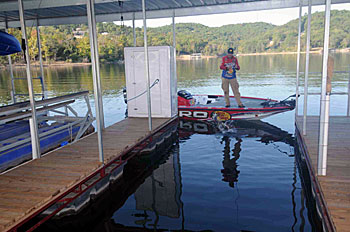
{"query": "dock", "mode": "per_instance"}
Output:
(332, 192)
(63, 174)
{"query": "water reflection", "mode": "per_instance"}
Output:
(150, 194)
(235, 131)
(229, 171)
(238, 129)
(160, 194)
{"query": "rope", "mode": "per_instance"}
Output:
(154, 83)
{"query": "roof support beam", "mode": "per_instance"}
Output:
(307, 62)
(147, 66)
(178, 4)
(35, 4)
(298, 61)
(33, 122)
(174, 46)
(179, 12)
(96, 76)
(325, 96)
(41, 61)
(189, 2)
(13, 97)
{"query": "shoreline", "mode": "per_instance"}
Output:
(181, 57)
(315, 51)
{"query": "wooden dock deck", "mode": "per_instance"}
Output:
(334, 188)
(26, 189)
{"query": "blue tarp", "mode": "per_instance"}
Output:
(8, 44)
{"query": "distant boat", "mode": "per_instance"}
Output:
(8, 44)
(212, 107)
(196, 56)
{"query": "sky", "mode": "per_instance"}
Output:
(276, 17)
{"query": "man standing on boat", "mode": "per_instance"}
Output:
(229, 66)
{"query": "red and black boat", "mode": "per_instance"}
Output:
(212, 107)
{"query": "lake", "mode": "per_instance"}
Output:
(243, 179)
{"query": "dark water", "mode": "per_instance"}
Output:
(242, 179)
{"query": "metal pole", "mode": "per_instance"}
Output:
(41, 59)
(147, 66)
(133, 29)
(298, 62)
(97, 64)
(348, 111)
(307, 66)
(34, 127)
(324, 111)
(174, 46)
(95, 74)
(13, 97)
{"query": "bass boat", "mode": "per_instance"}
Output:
(212, 107)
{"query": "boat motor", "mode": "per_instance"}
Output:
(185, 98)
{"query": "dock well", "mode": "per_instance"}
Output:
(332, 192)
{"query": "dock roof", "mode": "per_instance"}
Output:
(56, 12)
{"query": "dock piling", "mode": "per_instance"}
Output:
(34, 128)
(307, 62)
(298, 61)
(147, 66)
(13, 97)
(174, 46)
(324, 103)
(42, 74)
(96, 75)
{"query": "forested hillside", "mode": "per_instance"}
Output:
(61, 43)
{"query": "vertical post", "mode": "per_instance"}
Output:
(97, 63)
(298, 61)
(324, 111)
(174, 46)
(133, 29)
(13, 96)
(348, 111)
(33, 120)
(35, 155)
(307, 66)
(95, 74)
(147, 66)
(41, 60)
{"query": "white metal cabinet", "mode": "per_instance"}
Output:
(163, 94)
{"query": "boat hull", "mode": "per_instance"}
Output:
(209, 114)
(211, 107)
(17, 131)
(8, 44)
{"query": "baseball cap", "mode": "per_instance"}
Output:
(230, 51)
